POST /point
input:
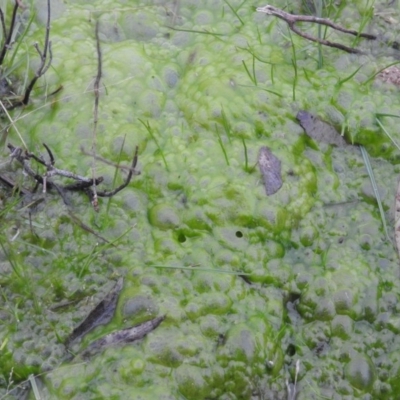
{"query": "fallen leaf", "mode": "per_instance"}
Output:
(100, 315)
(270, 168)
(319, 130)
(123, 336)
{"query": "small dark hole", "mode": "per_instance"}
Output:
(239, 234)
(221, 339)
(181, 238)
(292, 297)
(291, 350)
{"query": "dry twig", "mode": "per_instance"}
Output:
(292, 19)
(45, 64)
(8, 37)
(82, 183)
(96, 90)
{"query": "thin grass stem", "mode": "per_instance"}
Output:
(14, 126)
(294, 62)
(195, 269)
(375, 188)
(386, 132)
(372, 77)
(340, 83)
(226, 124)
(222, 145)
(248, 73)
(246, 160)
(235, 12)
(116, 174)
(264, 89)
(148, 128)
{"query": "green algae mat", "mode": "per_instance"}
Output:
(292, 295)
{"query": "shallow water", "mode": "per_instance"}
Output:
(200, 89)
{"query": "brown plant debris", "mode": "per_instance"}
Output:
(10, 100)
(292, 20)
(270, 168)
(123, 336)
(319, 130)
(81, 183)
(100, 315)
(390, 75)
(397, 218)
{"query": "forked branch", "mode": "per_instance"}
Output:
(292, 19)
(7, 37)
(45, 63)
(81, 183)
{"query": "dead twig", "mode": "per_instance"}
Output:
(8, 37)
(96, 90)
(3, 24)
(292, 19)
(108, 162)
(127, 179)
(86, 228)
(45, 64)
(12, 185)
(82, 183)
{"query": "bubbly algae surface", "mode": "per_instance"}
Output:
(251, 286)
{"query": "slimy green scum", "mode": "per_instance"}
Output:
(291, 295)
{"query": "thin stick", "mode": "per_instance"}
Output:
(3, 24)
(96, 115)
(375, 188)
(105, 161)
(44, 65)
(292, 19)
(34, 387)
(127, 180)
(7, 41)
(86, 228)
(13, 124)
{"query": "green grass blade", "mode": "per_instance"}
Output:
(35, 389)
(264, 89)
(294, 62)
(248, 73)
(116, 174)
(375, 188)
(387, 115)
(222, 145)
(372, 77)
(195, 269)
(148, 127)
(387, 133)
(226, 124)
(235, 12)
(216, 35)
(340, 83)
(246, 160)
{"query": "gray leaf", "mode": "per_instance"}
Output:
(270, 168)
(100, 315)
(319, 130)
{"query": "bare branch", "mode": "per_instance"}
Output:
(78, 222)
(7, 41)
(96, 87)
(127, 180)
(108, 162)
(44, 65)
(3, 24)
(82, 183)
(292, 19)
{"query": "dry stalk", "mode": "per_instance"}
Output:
(292, 19)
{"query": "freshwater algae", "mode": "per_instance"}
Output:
(321, 297)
